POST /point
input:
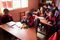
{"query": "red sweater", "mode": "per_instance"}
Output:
(31, 21)
(6, 18)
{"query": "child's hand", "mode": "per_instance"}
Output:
(49, 22)
(24, 26)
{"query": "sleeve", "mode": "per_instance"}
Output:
(6, 18)
(10, 18)
(31, 22)
(24, 20)
(3, 19)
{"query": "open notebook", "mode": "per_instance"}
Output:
(14, 24)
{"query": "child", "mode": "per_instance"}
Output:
(6, 17)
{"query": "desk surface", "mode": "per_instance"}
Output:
(23, 34)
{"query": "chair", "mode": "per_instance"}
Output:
(53, 37)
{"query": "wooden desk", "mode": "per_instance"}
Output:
(23, 34)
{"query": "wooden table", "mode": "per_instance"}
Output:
(23, 34)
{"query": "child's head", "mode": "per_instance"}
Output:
(6, 11)
(29, 15)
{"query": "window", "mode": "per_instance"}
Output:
(16, 4)
(20, 4)
(24, 3)
(13, 4)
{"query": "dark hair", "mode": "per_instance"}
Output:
(57, 9)
(52, 14)
(31, 10)
(48, 9)
(54, 3)
(29, 14)
(5, 10)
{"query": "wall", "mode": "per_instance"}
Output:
(16, 13)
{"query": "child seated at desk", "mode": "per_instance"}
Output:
(28, 20)
(6, 17)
